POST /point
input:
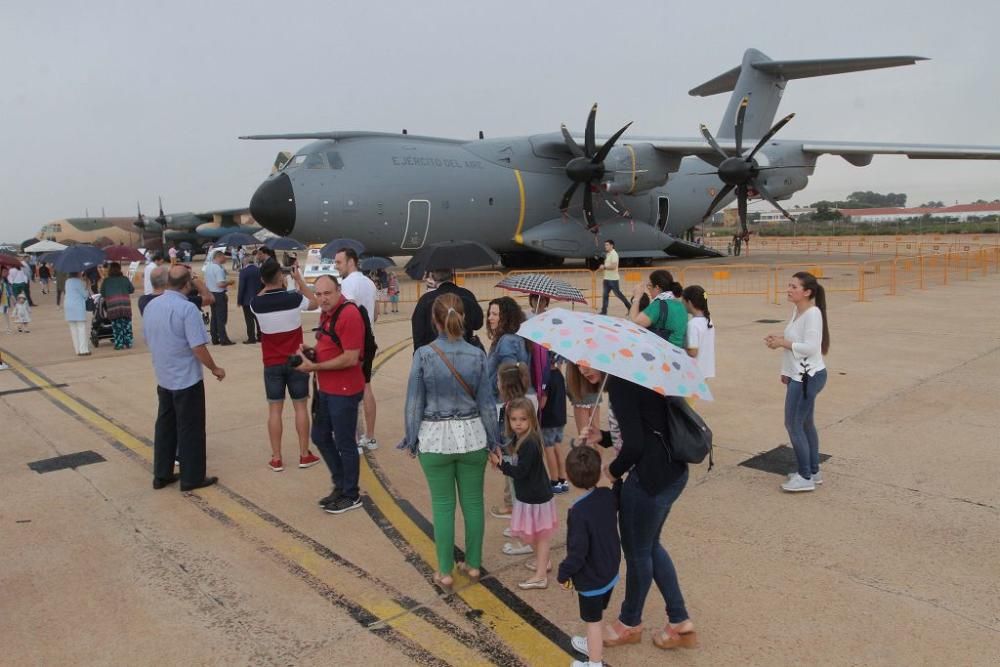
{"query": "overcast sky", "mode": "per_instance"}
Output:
(105, 103)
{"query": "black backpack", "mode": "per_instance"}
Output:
(688, 438)
(370, 346)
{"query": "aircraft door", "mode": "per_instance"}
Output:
(418, 218)
(662, 213)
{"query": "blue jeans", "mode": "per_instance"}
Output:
(800, 404)
(640, 519)
(333, 432)
(609, 287)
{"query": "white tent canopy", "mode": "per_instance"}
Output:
(45, 246)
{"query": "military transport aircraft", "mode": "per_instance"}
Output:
(196, 228)
(518, 195)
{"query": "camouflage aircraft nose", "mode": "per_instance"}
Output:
(273, 205)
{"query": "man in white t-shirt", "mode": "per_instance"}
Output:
(611, 278)
(357, 287)
(147, 283)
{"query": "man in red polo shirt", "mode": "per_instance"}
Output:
(338, 356)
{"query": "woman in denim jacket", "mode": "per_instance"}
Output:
(450, 424)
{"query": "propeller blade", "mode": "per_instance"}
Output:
(741, 115)
(574, 147)
(787, 166)
(712, 142)
(564, 205)
(741, 203)
(715, 202)
(606, 148)
(588, 206)
(771, 200)
(767, 137)
(704, 173)
(589, 145)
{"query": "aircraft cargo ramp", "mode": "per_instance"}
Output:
(689, 250)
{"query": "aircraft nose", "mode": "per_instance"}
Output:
(273, 205)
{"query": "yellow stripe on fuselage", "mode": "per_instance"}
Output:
(520, 215)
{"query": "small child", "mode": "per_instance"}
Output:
(22, 314)
(593, 550)
(700, 341)
(512, 383)
(553, 423)
(533, 519)
(394, 292)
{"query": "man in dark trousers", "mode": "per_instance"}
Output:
(420, 322)
(218, 284)
(176, 338)
(250, 285)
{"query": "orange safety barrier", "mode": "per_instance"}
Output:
(729, 279)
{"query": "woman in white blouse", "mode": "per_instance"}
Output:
(805, 341)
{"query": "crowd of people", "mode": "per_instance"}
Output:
(470, 406)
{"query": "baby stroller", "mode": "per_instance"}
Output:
(100, 325)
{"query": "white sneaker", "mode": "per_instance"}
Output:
(580, 644)
(798, 483)
(4, 367)
(369, 443)
(817, 477)
(507, 533)
(585, 663)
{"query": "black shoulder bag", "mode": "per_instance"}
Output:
(688, 439)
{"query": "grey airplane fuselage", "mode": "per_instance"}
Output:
(397, 194)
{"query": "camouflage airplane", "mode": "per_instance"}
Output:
(397, 193)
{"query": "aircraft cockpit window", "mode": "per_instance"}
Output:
(315, 161)
(333, 157)
(296, 161)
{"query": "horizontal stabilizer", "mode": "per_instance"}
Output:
(801, 69)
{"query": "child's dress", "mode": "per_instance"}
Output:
(534, 516)
(22, 313)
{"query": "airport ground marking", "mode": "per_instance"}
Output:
(425, 636)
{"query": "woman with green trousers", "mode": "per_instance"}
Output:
(450, 425)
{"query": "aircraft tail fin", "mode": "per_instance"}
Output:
(763, 81)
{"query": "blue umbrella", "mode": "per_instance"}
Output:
(331, 248)
(78, 258)
(375, 263)
(284, 243)
(50, 257)
(237, 238)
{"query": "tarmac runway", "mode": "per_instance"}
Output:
(893, 561)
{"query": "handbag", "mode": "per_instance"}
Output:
(89, 305)
(688, 439)
(461, 381)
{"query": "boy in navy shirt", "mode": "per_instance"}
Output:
(593, 550)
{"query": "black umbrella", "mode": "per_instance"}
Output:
(375, 263)
(185, 245)
(50, 257)
(330, 249)
(284, 243)
(237, 238)
(450, 255)
(78, 258)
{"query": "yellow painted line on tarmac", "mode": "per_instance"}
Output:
(515, 631)
(407, 625)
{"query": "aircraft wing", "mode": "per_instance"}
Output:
(912, 151)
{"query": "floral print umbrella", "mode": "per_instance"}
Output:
(620, 348)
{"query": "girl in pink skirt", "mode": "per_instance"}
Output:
(534, 518)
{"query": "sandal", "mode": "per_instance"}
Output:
(443, 581)
(668, 638)
(511, 550)
(472, 573)
(533, 583)
(626, 635)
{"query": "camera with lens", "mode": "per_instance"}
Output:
(295, 360)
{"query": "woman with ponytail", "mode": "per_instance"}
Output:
(450, 424)
(805, 341)
(700, 340)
